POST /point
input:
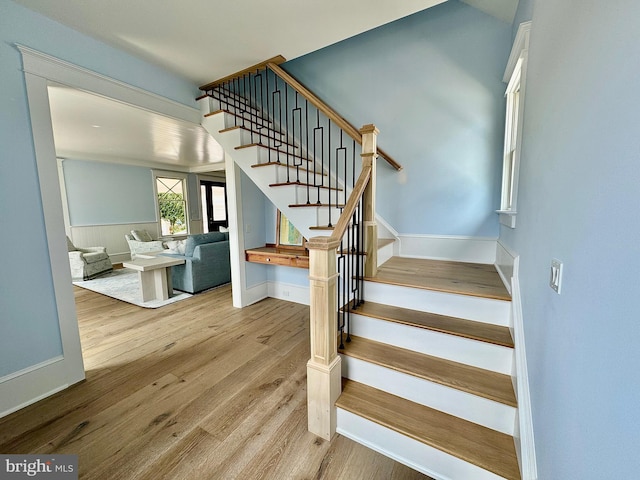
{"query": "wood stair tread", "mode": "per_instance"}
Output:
(473, 279)
(303, 205)
(484, 383)
(383, 242)
(323, 227)
(484, 332)
(489, 449)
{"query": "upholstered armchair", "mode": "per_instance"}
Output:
(88, 263)
(140, 241)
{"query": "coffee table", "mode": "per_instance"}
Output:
(154, 275)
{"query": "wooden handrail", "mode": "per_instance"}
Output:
(345, 217)
(277, 60)
(327, 110)
(273, 64)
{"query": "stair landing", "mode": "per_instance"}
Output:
(473, 279)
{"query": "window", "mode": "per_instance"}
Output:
(515, 74)
(511, 141)
(172, 205)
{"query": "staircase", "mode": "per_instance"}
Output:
(427, 374)
(246, 138)
(426, 360)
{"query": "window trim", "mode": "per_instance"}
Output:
(515, 78)
(185, 188)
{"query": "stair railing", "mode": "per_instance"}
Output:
(319, 149)
(337, 265)
(297, 130)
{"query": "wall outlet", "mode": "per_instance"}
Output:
(285, 293)
(555, 280)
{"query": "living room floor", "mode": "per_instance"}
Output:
(196, 389)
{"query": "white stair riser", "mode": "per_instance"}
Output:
(229, 103)
(485, 310)
(265, 137)
(451, 347)
(205, 105)
(321, 214)
(385, 253)
(476, 409)
(250, 121)
(423, 458)
(281, 175)
(266, 155)
(299, 193)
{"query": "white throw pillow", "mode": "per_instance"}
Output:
(141, 235)
(223, 229)
(176, 247)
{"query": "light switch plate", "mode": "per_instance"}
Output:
(555, 280)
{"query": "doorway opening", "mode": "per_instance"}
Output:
(214, 206)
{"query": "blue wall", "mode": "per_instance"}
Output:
(253, 209)
(432, 84)
(524, 13)
(578, 202)
(29, 332)
(107, 193)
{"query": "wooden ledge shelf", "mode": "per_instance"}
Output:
(272, 255)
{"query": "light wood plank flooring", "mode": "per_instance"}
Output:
(195, 390)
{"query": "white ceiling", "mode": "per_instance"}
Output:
(91, 127)
(204, 40)
(504, 10)
(201, 40)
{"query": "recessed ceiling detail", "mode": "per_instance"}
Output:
(91, 127)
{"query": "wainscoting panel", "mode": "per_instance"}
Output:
(111, 237)
(504, 264)
(448, 247)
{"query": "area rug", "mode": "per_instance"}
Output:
(123, 284)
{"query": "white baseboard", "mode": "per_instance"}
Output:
(505, 260)
(32, 384)
(279, 290)
(524, 429)
(448, 247)
(255, 293)
(289, 292)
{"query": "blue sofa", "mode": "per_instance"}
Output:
(207, 264)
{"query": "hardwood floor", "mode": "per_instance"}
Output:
(195, 390)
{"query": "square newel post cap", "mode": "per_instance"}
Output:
(369, 128)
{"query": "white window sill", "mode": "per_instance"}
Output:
(507, 217)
